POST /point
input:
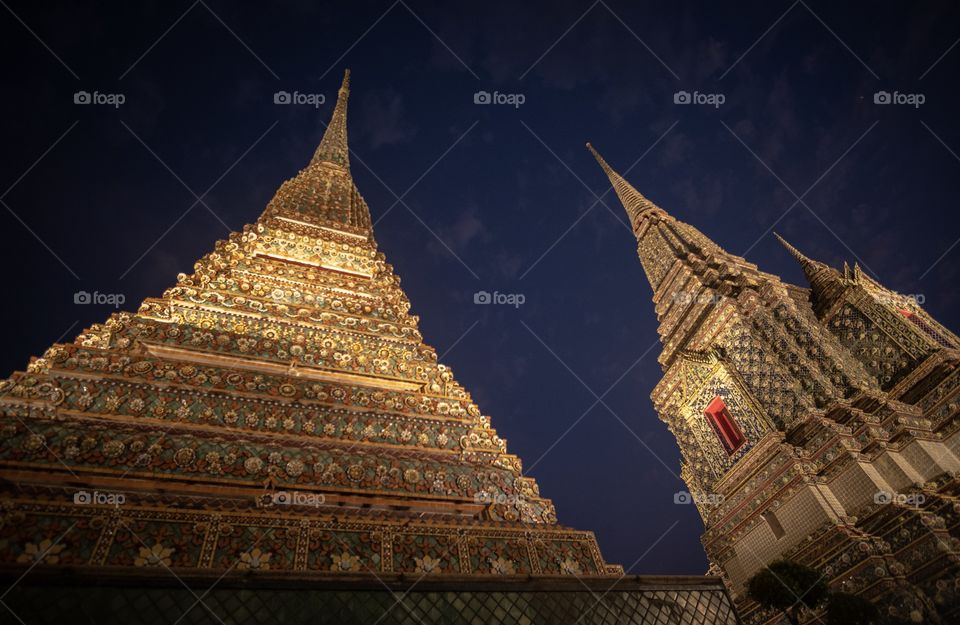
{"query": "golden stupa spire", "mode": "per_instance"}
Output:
(666, 238)
(324, 190)
(825, 281)
(333, 147)
(805, 262)
(812, 269)
(633, 201)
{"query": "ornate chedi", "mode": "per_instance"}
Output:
(818, 425)
(277, 413)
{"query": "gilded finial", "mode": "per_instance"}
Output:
(603, 163)
(793, 251)
(824, 280)
(333, 147)
(633, 201)
(857, 272)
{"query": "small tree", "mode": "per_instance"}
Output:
(788, 587)
(846, 609)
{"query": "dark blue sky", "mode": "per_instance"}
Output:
(511, 206)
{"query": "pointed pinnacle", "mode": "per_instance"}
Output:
(603, 163)
(823, 278)
(814, 270)
(793, 251)
(633, 201)
(333, 147)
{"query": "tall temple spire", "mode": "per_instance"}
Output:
(333, 147)
(810, 267)
(792, 407)
(324, 190)
(636, 204)
(825, 282)
(661, 238)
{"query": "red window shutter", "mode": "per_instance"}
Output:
(724, 425)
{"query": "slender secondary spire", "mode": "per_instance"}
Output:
(809, 265)
(333, 147)
(633, 201)
(825, 281)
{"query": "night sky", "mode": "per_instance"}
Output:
(495, 197)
